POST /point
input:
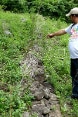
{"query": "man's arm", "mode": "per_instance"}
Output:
(58, 33)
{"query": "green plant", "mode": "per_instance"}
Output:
(57, 68)
(51, 8)
(14, 38)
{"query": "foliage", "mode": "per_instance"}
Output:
(14, 5)
(52, 8)
(17, 35)
(12, 104)
(14, 38)
(57, 67)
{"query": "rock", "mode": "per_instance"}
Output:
(53, 97)
(38, 108)
(38, 95)
(52, 114)
(40, 63)
(39, 77)
(47, 115)
(7, 32)
(45, 102)
(46, 93)
(42, 102)
(26, 114)
(36, 102)
(35, 84)
(46, 110)
(48, 85)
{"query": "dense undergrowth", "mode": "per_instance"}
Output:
(51, 8)
(16, 37)
(17, 34)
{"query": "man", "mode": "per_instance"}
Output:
(73, 47)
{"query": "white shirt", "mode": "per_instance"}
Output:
(73, 41)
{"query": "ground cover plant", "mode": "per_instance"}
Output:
(17, 34)
(57, 67)
(14, 38)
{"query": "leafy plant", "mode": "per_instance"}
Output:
(57, 68)
(15, 36)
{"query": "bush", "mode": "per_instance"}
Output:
(51, 8)
(14, 5)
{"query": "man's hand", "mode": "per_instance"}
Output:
(50, 35)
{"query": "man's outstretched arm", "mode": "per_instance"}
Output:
(58, 33)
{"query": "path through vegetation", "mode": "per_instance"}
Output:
(45, 102)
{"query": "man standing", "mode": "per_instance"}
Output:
(73, 47)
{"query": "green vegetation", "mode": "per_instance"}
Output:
(16, 37)
(18, 32)
(57, 67)
(51, 8)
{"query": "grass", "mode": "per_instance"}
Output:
(18, 33)
(57, 68)
(14, 38)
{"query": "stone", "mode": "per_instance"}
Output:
(46, 93)
(47, 115)
(46, 110)
(26, 114)
(52, 114)
(53, 97)
(7, 32)
(38, 108)
(39, 95)
(45, 102)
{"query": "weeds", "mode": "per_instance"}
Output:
(57, 67)
(17, 35)
(14, 38)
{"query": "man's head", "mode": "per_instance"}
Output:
(73, 11)
(73, 14)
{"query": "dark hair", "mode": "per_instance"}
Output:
(74, 15)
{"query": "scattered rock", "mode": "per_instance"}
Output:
(45, 103)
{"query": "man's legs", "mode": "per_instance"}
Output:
(74, 75)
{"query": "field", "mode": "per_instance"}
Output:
(17, 35)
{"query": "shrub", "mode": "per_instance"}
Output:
(53, 8)
(14, 5)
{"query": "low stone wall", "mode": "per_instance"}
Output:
(45, 102)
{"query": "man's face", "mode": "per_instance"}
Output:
(72, 18)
